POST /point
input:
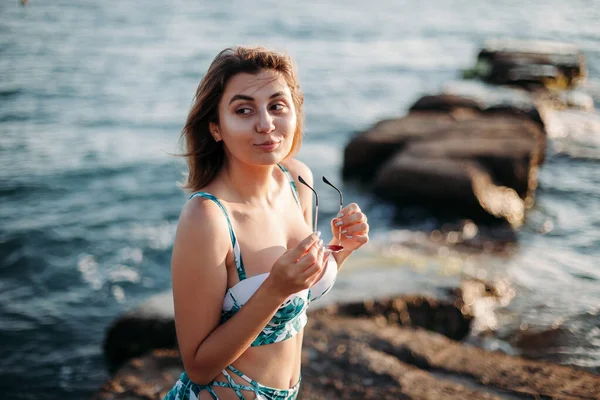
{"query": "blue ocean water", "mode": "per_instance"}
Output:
(93, 96)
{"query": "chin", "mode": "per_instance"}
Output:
(271, 158)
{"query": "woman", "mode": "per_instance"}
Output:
(246, 264)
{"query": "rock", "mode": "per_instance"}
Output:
(448, 186)
(409, 363)
(508, 101)
(370, 149)
(466, 161)
(149, 326)
(446, 102)
(564, 100)
(147, 377)
(350, 352)
(573, 339)
(441, 316)
(509, 148)
(526, 63)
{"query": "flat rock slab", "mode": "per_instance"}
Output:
(522, 62)
(368, 358)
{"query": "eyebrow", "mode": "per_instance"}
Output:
(248, 98)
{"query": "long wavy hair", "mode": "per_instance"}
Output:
(204, 155)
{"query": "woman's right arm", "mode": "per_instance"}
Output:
(199, 276)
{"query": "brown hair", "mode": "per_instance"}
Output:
(204, 155)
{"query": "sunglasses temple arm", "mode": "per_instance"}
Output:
(338, 190)
(302, 181)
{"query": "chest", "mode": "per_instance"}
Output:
(263, 236)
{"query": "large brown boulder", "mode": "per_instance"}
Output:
(492, 99)
(509, 148)
(370, 149)
(449, 186)
(464, 155)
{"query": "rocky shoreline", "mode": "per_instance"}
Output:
(379, 350)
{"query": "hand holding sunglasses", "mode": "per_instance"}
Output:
(350, 228)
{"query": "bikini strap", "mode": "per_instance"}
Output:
(237, 255)
(292, 184)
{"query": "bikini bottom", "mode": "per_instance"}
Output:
(185, 389)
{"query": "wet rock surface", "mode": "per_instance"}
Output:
(376, 350)
(407, 363)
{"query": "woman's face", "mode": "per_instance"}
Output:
(257, 118)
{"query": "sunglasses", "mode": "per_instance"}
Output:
(333, 248)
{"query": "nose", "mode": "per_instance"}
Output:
(265, 123)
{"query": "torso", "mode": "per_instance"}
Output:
(263, 236)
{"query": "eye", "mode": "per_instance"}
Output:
(243, 111)
(278, 107)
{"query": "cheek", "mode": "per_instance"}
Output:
(290, 125)
(236, 127)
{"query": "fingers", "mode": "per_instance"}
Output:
(304, 246)
(312, 256)
(315, 271)
(349, 209)
(352, 222)
(361, 228)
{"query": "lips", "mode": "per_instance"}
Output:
(268, 145)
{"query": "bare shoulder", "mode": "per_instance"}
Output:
(202, 228)
(297, 167)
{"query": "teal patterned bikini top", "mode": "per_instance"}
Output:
(291, 317)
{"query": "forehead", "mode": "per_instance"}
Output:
(263, 84)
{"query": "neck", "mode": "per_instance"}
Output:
(251, 184)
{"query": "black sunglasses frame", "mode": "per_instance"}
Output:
(316, 216)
